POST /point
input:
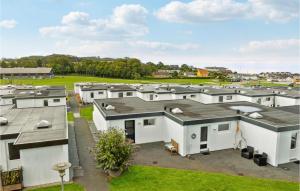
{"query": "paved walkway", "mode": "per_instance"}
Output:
(93, 179)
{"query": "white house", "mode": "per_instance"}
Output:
(287, 98)
(198, 127)
(34, 139)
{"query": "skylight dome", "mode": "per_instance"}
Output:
(177, 110)
(43, 124)
(109, 107)
(256, 115)
(3, 121)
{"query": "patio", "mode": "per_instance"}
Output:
(225, 161)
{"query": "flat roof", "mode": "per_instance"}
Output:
(22, 124)
(293, 109)
(195, 112)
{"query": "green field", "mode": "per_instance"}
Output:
(87, 112)
(68, 187)
(154, 178)
(69, 81)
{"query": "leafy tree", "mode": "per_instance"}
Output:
(113, 151)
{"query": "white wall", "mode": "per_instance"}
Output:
(281, 101)
(27, 103)
(37, 164)
(158, 97)
(284, 151)
(6, 101)
(99, 120)
(116, 94)
(4, 157)
(263, 140)
(255, 99)
(86, 95)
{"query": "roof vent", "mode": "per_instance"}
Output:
(22, 92)
(177, 110)
(31, 92)
(3, 121)
(256, 115)
(109, 107)
(43, 124)
(206, 90)
(242, 92)
(173, 90)
(39, 93)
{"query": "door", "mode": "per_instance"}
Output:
(92, 94)
(45, 102)
(220, 98)
(293, 146)
(120, 94)
(130, 130)
(203, 138)
(151, 96)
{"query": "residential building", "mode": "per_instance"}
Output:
(34, 139)
(202, 72)
(198, 127)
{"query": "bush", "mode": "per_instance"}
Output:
(112, 150)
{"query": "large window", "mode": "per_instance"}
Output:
(229, 97)
(129, 94)
(148, 122)
(223, 127)
(294, 140)
(193, 96)
(14, 153)
(100, 93)
(56, 100)
(268, 99)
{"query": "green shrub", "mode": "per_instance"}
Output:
(112, 150)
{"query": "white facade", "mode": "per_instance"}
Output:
(281, 101)
(118, 94)
(6, 101)
(89, 96)
(42, 102)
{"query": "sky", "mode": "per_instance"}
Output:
(243, 35)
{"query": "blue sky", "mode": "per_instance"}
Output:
(244, 35)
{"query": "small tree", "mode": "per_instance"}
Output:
(112, 150)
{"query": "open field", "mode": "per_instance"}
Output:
(68, 187)
(155, 178)
(68, 81)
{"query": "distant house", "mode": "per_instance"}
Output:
(189, 74)
(202, 72)
(19, 72)
(296, 79)
(164, 73)
(218, 69)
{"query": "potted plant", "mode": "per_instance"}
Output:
(113, 152)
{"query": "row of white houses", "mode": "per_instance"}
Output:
(198, 127)
(263, 96)
(34, 132)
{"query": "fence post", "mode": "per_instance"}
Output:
(1, 187)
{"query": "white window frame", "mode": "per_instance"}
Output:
(224, 130)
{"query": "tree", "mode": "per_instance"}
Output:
(174, 74)
(113, 151)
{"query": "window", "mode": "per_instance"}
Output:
(100, 93)
(184, 97)
(14, 153)
(148, 122)
(268, 99)
(129, 94)
(229, 97)
(120, 94)
(56, 100)
(223, 127)
(259, 100)
(294, 140)
(193, 96)
(92, 94)
(220, 98)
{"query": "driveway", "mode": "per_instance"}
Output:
(226, 161)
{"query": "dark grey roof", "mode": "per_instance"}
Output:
(91, 87)
(25, 70)
(293, 109)
(22, 124)
(117, 88)
(195, 112)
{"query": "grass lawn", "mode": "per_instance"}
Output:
(263, 83)
(68, 81)
(87, 112)
(68, 187)
(70, 116)
(155, 178)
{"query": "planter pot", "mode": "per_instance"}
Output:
(115, 173)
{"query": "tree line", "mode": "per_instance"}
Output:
(128, 68)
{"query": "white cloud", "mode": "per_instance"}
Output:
(126, 21)
(8, 24)
(198, 11)
(274, 47)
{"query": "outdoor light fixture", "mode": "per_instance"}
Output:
(61, 169)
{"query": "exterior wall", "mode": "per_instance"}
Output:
(263, 140)
(86, 95)
(6, 101)
(116, 94)
(188, 96)
(26, 103)
(255, 99)
(145, 96)
(158, 97)
(99, 121)
(281, 101)
(5, 163)
(37, 164)
(284, 152)
(216, 140)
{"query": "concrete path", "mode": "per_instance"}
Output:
(93, 179)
